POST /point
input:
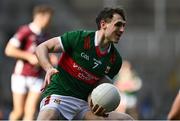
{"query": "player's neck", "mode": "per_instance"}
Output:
(103, 43)
(35, 28)
(38, 24)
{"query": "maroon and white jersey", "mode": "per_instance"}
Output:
(27, 38)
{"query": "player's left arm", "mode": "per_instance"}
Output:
(42, 51)
(50, 46)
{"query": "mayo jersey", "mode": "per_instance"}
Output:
(82, 65)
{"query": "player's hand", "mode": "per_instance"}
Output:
(96, 109)
(32, 59)
(49, 73)
(53, 59)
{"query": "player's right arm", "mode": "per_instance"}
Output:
(50, 46)
(13, 47)
(12, 50)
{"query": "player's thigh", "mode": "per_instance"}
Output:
(34, 84)
(18, 84)
(118, 116)
(18, 101)
(49, 114)
(32, 101)
(18, 88)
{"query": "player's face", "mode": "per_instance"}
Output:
(45, 20)
(115, 28)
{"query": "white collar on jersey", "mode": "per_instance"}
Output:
(97, 41)
(34, 28)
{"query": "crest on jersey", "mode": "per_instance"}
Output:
(107, 69)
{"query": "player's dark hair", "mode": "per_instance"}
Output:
(107, 13)
(42, 9)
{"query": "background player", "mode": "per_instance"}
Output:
(129, 83)
(174, 113)
(25, 80)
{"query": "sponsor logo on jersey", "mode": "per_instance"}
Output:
(76, 70)
(83, 74)
(85, 56)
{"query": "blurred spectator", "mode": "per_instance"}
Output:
(1, 112)
(128, 83)
(25, 81)
(174, 113)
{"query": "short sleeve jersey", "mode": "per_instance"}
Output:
(82, 65)
(26, 40)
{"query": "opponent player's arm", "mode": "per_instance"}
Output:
(174, 113)
(51, 45)
(12, 50)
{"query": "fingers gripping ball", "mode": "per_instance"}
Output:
(107, 96)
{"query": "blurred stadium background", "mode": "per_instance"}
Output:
(151, 43)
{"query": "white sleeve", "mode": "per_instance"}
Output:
(60, 42)
(14, 41)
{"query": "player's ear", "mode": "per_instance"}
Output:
(103, 24)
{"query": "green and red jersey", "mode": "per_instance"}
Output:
(82, 65)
